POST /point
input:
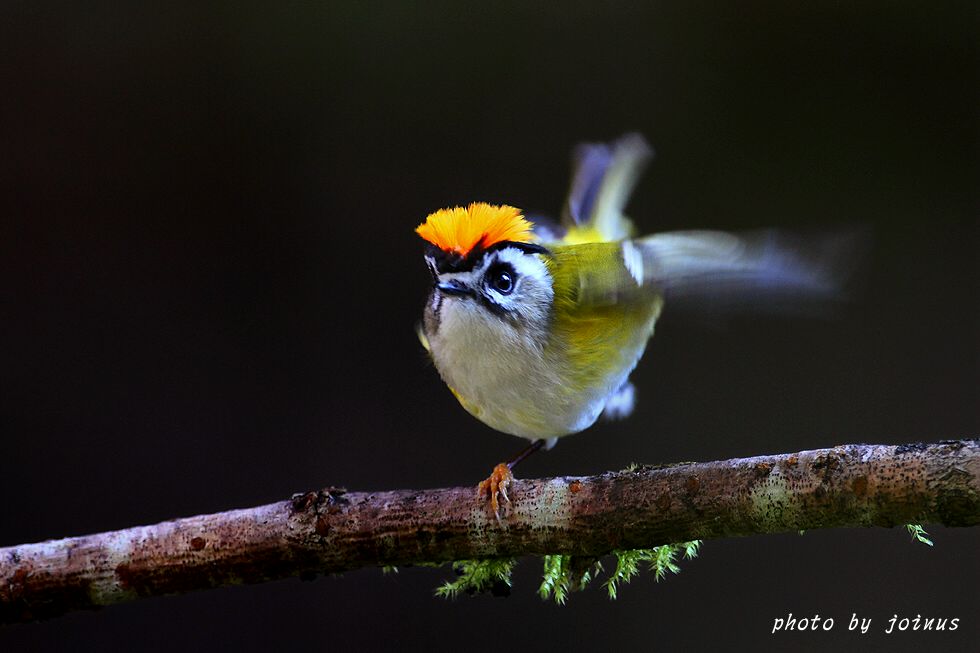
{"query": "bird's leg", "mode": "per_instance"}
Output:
(501, 477)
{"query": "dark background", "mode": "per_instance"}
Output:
(210, 283)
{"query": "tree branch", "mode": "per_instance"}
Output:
(333, 530)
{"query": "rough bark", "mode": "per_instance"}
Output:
(332, 530)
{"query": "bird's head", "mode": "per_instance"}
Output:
(488, 272)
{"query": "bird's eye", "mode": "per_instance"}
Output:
(503, 283)
(501, 279)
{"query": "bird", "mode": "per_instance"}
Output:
(536, 326)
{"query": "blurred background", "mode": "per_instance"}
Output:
(210, 281)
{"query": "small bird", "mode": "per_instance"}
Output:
(536, 327)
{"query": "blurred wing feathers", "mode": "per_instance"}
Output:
(711, 271)
(603, 178)
(765, 271)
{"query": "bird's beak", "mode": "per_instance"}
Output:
(453, 287)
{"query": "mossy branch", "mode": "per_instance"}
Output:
(581, 518)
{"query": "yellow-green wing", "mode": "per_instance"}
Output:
(593, 276)
(603, 176)
(604, 313)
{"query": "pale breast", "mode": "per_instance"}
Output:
(518, 383)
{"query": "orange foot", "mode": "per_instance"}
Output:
(499, 479)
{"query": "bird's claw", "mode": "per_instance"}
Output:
(495, 485)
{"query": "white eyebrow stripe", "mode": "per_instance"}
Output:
(633, 260)
(524, 264)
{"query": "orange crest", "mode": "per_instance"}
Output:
(480, 225)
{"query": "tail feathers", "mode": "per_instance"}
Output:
(603, 178)
(765, 271)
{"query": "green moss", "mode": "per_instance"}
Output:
(918, 533)
(659, 559)
(478, 576)
(554, 580)
(564, 574)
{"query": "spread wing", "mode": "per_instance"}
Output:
(603, 176)
(600, 275)
(762, 271)
(767, 271)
